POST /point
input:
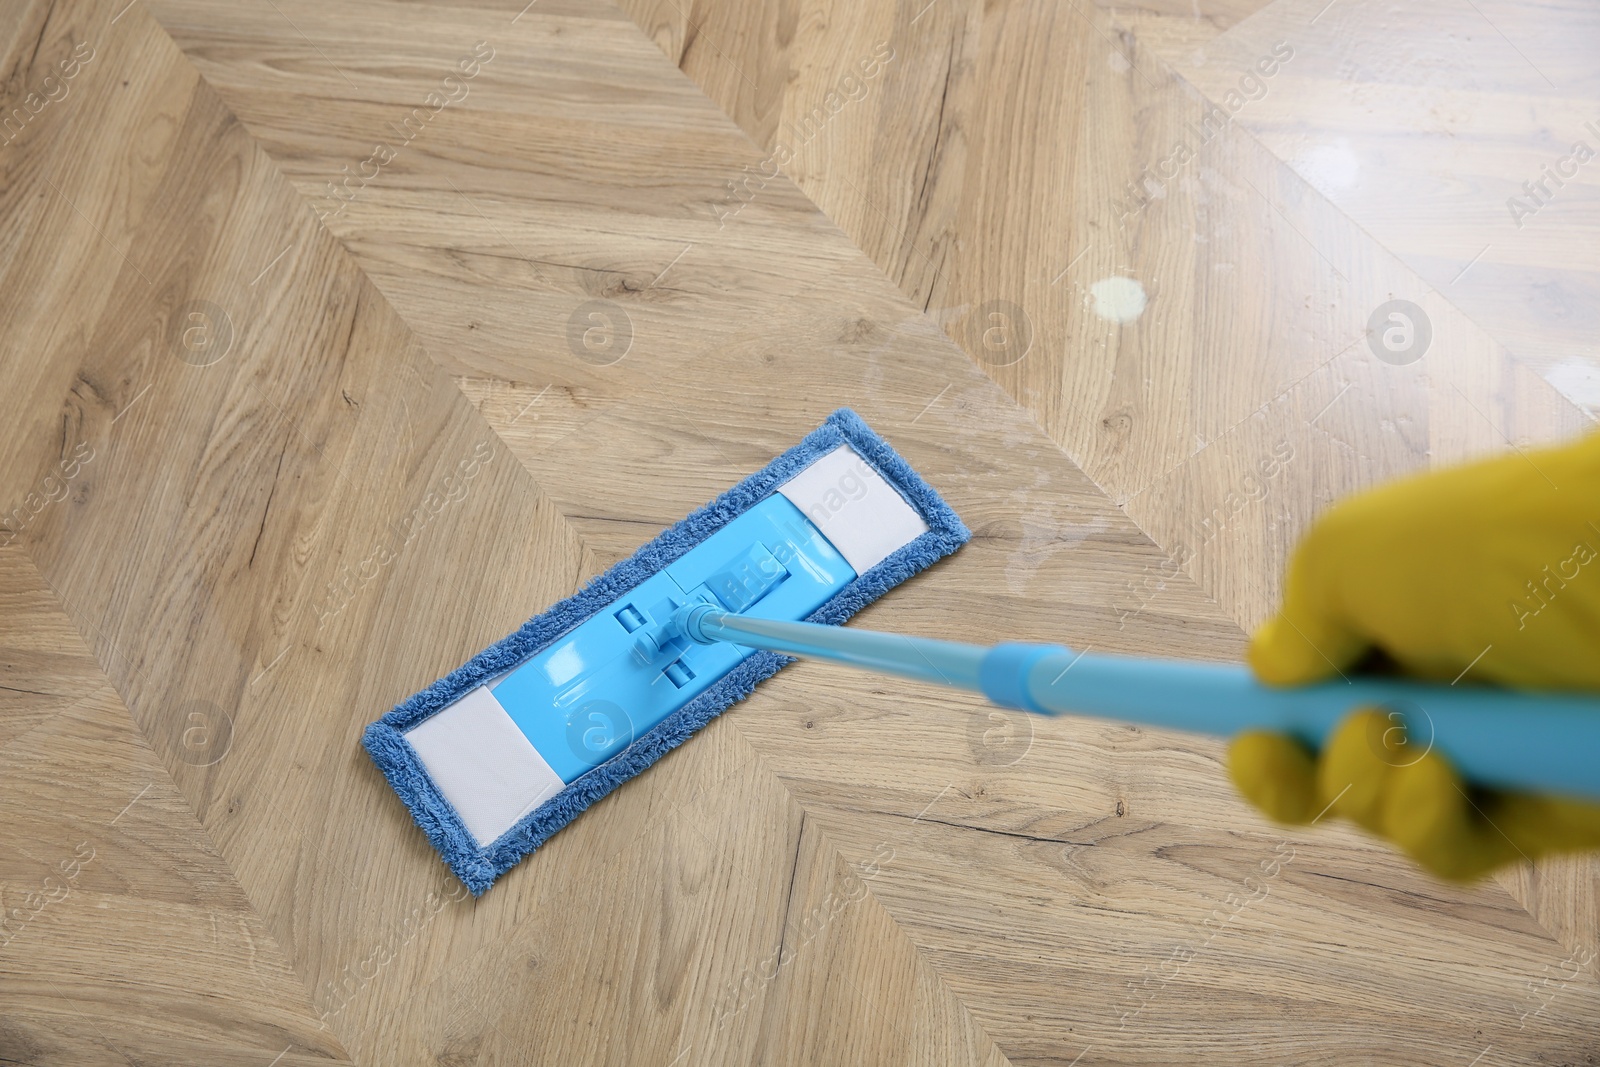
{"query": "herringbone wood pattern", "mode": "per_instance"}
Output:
(274, 270)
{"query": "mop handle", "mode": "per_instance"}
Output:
(1540, 742)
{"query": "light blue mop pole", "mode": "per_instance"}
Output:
(1540, 742)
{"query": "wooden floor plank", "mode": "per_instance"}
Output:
(1152, 929)
(124, 933)
(1061, 153)
(760, 295)
(1270, 175)
(552, 284)
(1425, 134)
(236, 578)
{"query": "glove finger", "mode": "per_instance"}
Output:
(1354, 765)
(1428, 812)
(1300, 645)
(1544, 824)
(1276, 773)
(1311, 637)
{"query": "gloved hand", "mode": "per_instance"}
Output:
(1486, 573)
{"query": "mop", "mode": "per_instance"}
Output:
(499, 755)
(507, 749)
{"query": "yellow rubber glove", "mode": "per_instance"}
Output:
(1486, 573)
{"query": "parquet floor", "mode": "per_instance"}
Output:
(272, 268)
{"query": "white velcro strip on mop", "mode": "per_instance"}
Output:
(483, 764)
(864, 516)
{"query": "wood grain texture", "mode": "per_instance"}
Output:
(1449, 135)
(1270, 175)
(124, 936)
(837, 870)
(1070, 952)
(1435, 132)
(46, 664)
(1055, 149)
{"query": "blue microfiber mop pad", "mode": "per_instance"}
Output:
(464, 761)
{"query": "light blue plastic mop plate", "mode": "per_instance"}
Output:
(584, 699)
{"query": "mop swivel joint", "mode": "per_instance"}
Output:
(688, 619)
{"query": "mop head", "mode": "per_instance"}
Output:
(504, 751)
